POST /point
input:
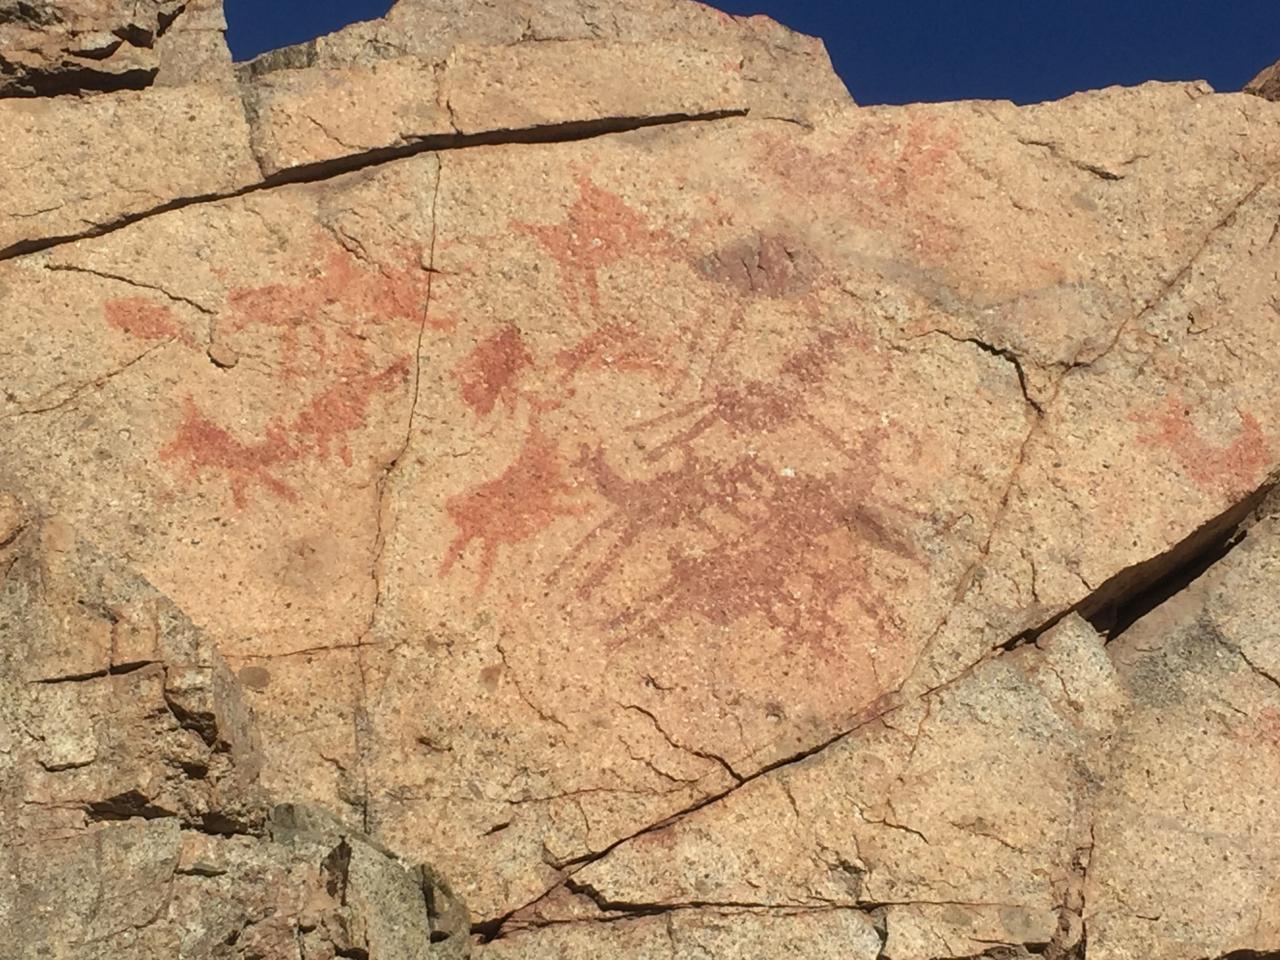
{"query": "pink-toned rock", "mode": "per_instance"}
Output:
(700, 515)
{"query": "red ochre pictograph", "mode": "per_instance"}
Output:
(490, 374)
(599, 230)
(1229, 470)
(888, 172)
(316, 330)
(325, 319)
(143, 318)
(806, 554)
(320, 430)
(616, 347)
(514, 507)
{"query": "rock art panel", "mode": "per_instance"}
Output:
(584, 483)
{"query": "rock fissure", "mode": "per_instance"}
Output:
(714, 758)
(383, 487)
(1114, 606)
(576, 864)
(1167, 287)
(1055, 150)
(1004, 353)
(569, 132)
(116, 669)
(80, 390)
(175, 297)
(1130, 594)
(64, 82)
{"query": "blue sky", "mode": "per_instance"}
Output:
(909, 50)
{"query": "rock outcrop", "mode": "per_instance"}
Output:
(695, 514)
(135, 824)
(1266, 84)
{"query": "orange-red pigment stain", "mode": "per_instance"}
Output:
(614, 347)
(367, 295)
(1230, 470)
(512, 508)
(803, 553)
(142, 318)
(368, 291)
(600, 230)
(322, 428)
(204, 444)
(491, 372)
(322, 326)
(342, 408)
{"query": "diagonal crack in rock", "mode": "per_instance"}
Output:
(569, 132)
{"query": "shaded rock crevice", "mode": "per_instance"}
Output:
(1055, 150)
(56, 48)
(1130, 594)
(1004, 353)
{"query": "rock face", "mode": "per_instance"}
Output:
(135, 823)
(697, 515)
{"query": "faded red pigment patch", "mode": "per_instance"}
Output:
(799, 550)
(755, 407)
(599, 230)
(615, 346)
(490, 373)
(320, 430)
(325, 424)
(321, 327)
(349, 294)
(763, 265)
(512, 508)
(746, 539)
(204, 445)
(888, 173)
(142, 318)
(1226, 470)
(1263, 730)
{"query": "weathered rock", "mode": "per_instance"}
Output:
(701, 516)
(436, 68)
(133, 152)
(50, 47)
(135, 825)
(1266, 84)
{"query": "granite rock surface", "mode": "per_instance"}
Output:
(135, 823)
(579, 448)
